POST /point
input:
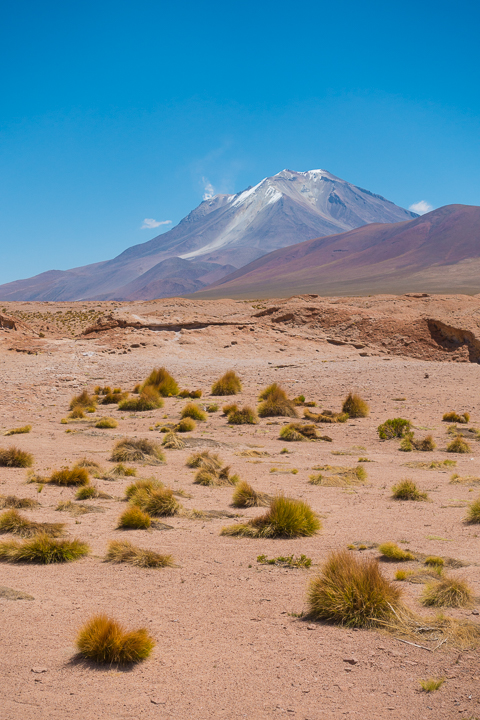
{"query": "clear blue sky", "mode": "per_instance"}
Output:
(113, 112)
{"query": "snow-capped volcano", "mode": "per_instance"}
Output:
(221, 235)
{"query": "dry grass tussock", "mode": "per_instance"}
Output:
(171, 441)
(186, 424)
(338, 476)
(286, 518)
(194, 394)
(44, 550)
(84, 400)
(276, 403)
(290, 561)
(15, 458)
(191, 410)
(215, 476)
(12, 501)
(162, 381)
(464, 480)
(394, 428)
(141, 450)
(133, 518)
(120, 470)
(473, 515)
(245, 496)
(326, 416)
(447, 592)
(243, 416)
(87, 492)
(407, 490)
(76, 509)
(410, 443)
(11, 521)
(65, 477)
(298, 432)
(105, 641)
(459, 445)
(432, 684)
(432, 465)
(122, 551)
(148, 399)
(355, 406)
(19, 431)
(455, 417)
(159, 502)
(228, 384)
(205, 459)
(106, 423)
(391, 551)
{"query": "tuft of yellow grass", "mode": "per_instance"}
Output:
(104, 640)
(19, 430)
(122, 551)
(15, 457)
(11, 521)
(285, 517)
(228, 384)
(355, 406)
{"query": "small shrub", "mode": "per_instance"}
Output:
(243, 416)
(204, 459)
(13, 522)
(213, 407)
(194, 412)
(352, 591)
(131, 450)
(245, 496)
(407, 490)
(456, 418)
(105, 641)
(65, 477)
(289, 561)
(19, 430)
(394, 428)
(473, 515)
(392, 551)
(228, 384)
(158, 502)
(355, 406)
(148, 399)
(84, 400)
(106, 423)
(286, 518)
(276, 403)
(458, 445)
(44, 550)
(161, 379)
(134, 519)
(12, 501)
(432, 684)
(122, 551)
(447, 592)
(434, 561)
(16, 458)
(186, 424)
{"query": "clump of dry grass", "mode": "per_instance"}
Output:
(352, 591)
(12, 501)
(159, 502)
(133, 518)
(194, 394)
(409, 443)
(121, 471)
(122, 551)
(276, 403)
(473, 515)
(149, 399)
(394, 428)
(106, 423)
(243, 416)
(186, 424)
(447, 592)
(229, 408)
(76, 508)
(204, 459)
(44, 550)
(285, 517)
(392, 551)
(433, 465)
(86, 492)
(245, 496)
(434, 561)
(65, 477)
(162, 381)
(300, 431)
(141, 450)
(290, 561)
(172, 441)
(13, 522)
(458, 445)
(213, 407)
(432, 684)
(191, 410)
(84, 400)
(228, 384)
(105, 641)
(15, 458)
(455, 417)
(407, 490)
(338, 476)
(19, 430)
(150, 484)
(326, 416)
(215, 476)
(109, 396)
(355, 406)
(464, 480)
(76, 414)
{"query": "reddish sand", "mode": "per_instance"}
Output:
(230, 642)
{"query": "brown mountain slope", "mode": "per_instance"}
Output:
(438, 252)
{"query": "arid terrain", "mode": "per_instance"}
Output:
(232, 640)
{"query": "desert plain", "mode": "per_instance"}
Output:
(232, 636)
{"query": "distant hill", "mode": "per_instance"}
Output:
(221, 235)
(438, 252)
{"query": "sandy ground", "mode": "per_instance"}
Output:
(230, 642)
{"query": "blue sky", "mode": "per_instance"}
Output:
(114, 112)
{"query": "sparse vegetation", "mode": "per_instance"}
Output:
(122, 551)
(285, 518)
(142, 485)
(456, 418)
(105, 641)
(434, 561)
(65, 477)
(141, 450)
(15, 458)
(106, 423)
(121, 471)
(84, 400)
(243, 416)
(19, 430)
(447, 592)
(458, 445)
(276, 403)
(228, 384)
(432, 684)
(352, 591)
(158, 502)
(355, 406)
(409, 443)
(133, 518)
(171, 441)
(394, 428)
(186, 424)
(473, 515)
(245, 496)
(90, 491)
(392, 551)
(338, 476)
(326, 416)
(190, 394)
(299, 431)
(148, 399)
(407, 490)
(213, 407)
(12, 501)
(44, 550)
(13, 522)
(162, 381)
(229, 408)
(205, 459)
(215, 476)
(194, 412)
(291, 561)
